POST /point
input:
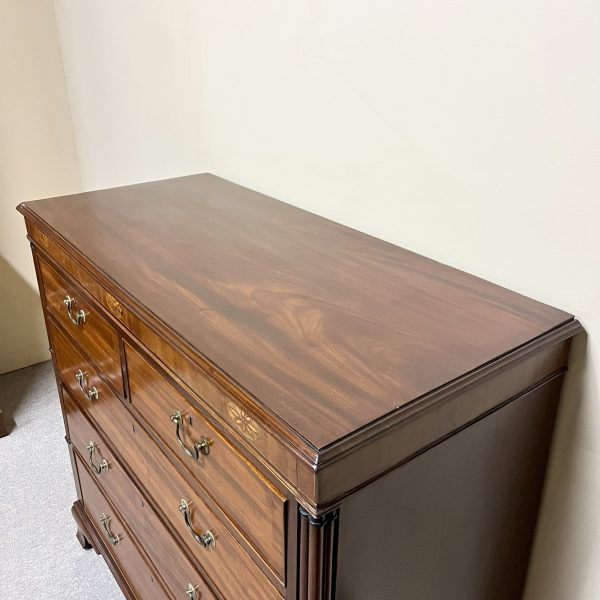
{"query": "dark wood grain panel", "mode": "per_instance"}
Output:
(157, 474)
(321, 364)
(271, 447)
(173, 565)
(351, 464)
(89, 537)
(457, 521)
(317, 556)
(68, 362)
(228, 565)
(320, 478)
(139, 574)
(95, 336)
(320, 323)
(250, 500)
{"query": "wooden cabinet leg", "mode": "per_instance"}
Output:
(3, 425)
(83, 531)
(83, 540)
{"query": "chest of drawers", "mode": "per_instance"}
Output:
(263, 404)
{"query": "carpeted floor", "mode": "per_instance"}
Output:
(39, 555)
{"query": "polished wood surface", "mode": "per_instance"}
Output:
(356, 399)
(89, 537)
(457, 522)
(69, 360)
(170, 561)
(318, 478)
(246, 496)
(143, 580)
(232, 569)
(317, 556)
(433, 419)
(165, 485)
(94, 336)
(318, 322)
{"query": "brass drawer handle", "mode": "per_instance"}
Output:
(191, 592)
(79, 317)
(206, 539)
(201, 447)
(103, 466)
(112, 538)
(91, 393)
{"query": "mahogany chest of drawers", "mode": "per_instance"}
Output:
(263, 404)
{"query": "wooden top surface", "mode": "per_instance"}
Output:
(327, 327)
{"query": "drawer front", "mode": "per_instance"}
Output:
(82, 380)
(176, 570)
(233, 483)
(124, 551)
(225, 561)
(92, 332)
(162, 482)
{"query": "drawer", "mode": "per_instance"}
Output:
(119, 541)
(82, 380)
(245, 496)
(162, 481)
(176, 570)
(92, 332)
(225, 562)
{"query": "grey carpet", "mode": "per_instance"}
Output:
(39, 555)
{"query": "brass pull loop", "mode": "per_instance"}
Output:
(112, 538)
(103, 466)
(90, 394)
(79, 317)
(206, 539)
(201, 447)
(191, 592)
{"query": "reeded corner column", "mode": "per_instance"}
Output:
(317, 555)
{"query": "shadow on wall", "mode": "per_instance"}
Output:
(22, 330)
(569, 492)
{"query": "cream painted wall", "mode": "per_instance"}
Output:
(37, 159)
(133, 75)
(468, 131)
(127, 111)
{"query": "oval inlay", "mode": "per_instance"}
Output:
(114, 306)
(42, 239)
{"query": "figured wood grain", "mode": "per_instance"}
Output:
(68, 361)
(352, 465)
(168, 559)
(165, 485)
(138, 572)
(95, 336)
(230, 567)
(251, 501)
(317, 478)
(316, 359)
(271, 447)
(320, 323)
(89, 537)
